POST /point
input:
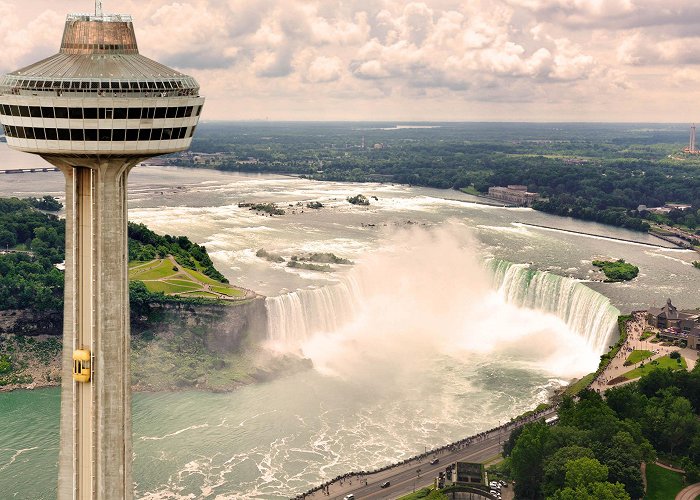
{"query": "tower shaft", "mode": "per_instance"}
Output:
(95, 110)
(95, 456)
(692, 139)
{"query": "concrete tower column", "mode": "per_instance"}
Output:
(96, 455)
(95, 110)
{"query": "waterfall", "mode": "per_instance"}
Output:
(585, 311)
(297, 316)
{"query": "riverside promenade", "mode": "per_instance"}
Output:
(635, 328)
(414, 473)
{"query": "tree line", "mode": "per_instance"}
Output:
(597, 448)
(600, 173)
(33, 244)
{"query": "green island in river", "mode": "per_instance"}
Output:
(618, 270)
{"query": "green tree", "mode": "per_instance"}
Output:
(527, 458)
(586, 479)
(583, 471)
(554, 467)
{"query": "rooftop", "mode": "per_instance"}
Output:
(97, 48)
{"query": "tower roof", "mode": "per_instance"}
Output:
(96, 48)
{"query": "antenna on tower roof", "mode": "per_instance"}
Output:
(98, 8)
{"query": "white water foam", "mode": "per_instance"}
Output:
(428, 293)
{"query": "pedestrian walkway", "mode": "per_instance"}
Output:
(616, 368)
(689, 493)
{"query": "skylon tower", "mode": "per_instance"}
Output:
(95, 110)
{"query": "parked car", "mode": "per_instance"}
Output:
(386, 484)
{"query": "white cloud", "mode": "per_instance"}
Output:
(512, 58)
(324, 69)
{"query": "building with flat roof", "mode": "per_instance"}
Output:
(514, 193)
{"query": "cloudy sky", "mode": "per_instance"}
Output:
(469, 60)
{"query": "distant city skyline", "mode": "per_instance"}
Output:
(436, 60)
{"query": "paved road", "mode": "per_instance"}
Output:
(689, 493)
(404, 478)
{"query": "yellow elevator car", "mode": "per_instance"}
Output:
(81, 365)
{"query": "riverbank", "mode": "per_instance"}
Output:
(211, 347)
(154, 367)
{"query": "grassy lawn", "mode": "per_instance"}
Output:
(646, 335)
(137, 263)
(169, 288)
(470, 190)
(201, 277)
(204, 295)
(161, 269)
(425, 493)
(637, 355)
(662, 484)
(577, 386)
(663, 362)
(158, 276)
(231, 292)
(183, 282)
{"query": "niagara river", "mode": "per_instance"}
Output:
(455, 316)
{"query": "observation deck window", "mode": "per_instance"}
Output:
(92, 135)
(75, 113)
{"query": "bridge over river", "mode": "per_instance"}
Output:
(28, 170)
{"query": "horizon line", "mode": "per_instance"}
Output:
(264, 120)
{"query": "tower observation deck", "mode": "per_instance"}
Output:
(95, 110)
